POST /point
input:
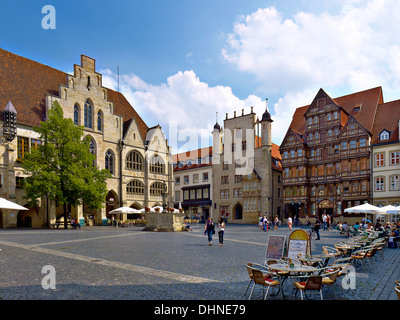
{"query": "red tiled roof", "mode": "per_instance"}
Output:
(387, 117)
(25, 83)
(368, 100)
(193, 166)
(192, 155)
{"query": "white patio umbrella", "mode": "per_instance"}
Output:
(365, 208)
(125, 210)
(122, 210)
(9, 205)
(391, 209)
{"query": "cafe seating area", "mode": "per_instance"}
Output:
(316, 275)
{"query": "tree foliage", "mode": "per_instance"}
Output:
(62, 167)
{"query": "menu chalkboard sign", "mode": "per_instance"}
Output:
(275, 247)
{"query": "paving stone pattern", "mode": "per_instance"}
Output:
(109, 263)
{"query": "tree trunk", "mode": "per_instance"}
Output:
(65, 216)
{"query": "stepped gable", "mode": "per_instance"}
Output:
(26, 83)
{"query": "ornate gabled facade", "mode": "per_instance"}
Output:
(138, 157)
(326, 154)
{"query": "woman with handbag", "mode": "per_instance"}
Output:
(209, 230)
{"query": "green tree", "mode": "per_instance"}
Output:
(61, 168)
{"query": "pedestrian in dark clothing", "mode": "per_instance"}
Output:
(317, 226)
(209, 230)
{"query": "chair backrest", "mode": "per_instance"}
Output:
(313, 283)
(333, 274)
(269, 262)
(397, 289)
(258, 277)
(372, 252)
(249, 268)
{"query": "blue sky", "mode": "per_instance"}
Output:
(181, 61)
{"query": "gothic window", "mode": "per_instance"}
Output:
(157, 188)
(157, 165)
(76, 114)
(134, 161)
(92, 149)
(88, 114)
(99, 121)
(135, 187)
(109, 161)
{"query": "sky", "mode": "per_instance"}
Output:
(183, 61)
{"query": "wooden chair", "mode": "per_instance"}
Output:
(329, 277)
(397, 289)
(264, 280)
(313, 283)
(249, 268)
(329, 251)
(359, 256)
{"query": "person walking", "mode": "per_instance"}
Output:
(317, 227)
(290, 223)
(276, 222)
(221, 230)
(209, 230)
(324, 221)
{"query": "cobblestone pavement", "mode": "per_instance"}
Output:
(109, 263)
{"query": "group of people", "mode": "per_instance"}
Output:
(75, 223)
(264, 224)
(210, 230)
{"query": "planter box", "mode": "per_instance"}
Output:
(169, 222)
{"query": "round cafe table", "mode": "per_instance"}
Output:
(287, 271)
(310, 261)
(295, 269)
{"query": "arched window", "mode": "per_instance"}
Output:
(157, 188)
(157, 165)
(135, 187)
(134, 161)
(92, 149)
(88, 114)
(92, 146)
(99, 121)
(110, 161)
(76, 114)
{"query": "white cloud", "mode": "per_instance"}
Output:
(184, 102)
(357, 49)
(291, 59)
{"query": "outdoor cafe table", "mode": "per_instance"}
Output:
(311, 261)
(321, 260)
(286, 271)
(347, 249)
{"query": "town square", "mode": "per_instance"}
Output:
(218, 152)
